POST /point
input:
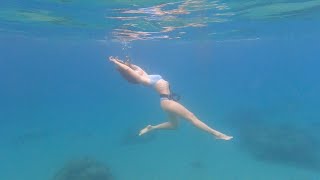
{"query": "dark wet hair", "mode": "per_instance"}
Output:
(127, 76)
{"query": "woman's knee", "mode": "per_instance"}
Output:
(174, 124)
(193, 119)
(191, 116)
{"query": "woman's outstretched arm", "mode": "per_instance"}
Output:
(139, 70)
(141, 78)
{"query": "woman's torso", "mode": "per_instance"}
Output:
(159, 84)
(162, 87)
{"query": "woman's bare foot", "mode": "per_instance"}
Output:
(223, 137)
(145, 130)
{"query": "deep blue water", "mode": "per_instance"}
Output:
(60, 99)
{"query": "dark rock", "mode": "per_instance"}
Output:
(284, 143)
(84, 169)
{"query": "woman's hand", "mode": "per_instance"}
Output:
(112, 59)
(115, 60)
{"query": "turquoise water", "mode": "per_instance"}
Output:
(247, 68)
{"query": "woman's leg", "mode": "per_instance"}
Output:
(178, 109)
(171, 124)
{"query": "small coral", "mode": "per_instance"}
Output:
(84, 169)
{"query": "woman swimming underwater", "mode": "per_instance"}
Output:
(136, 75)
